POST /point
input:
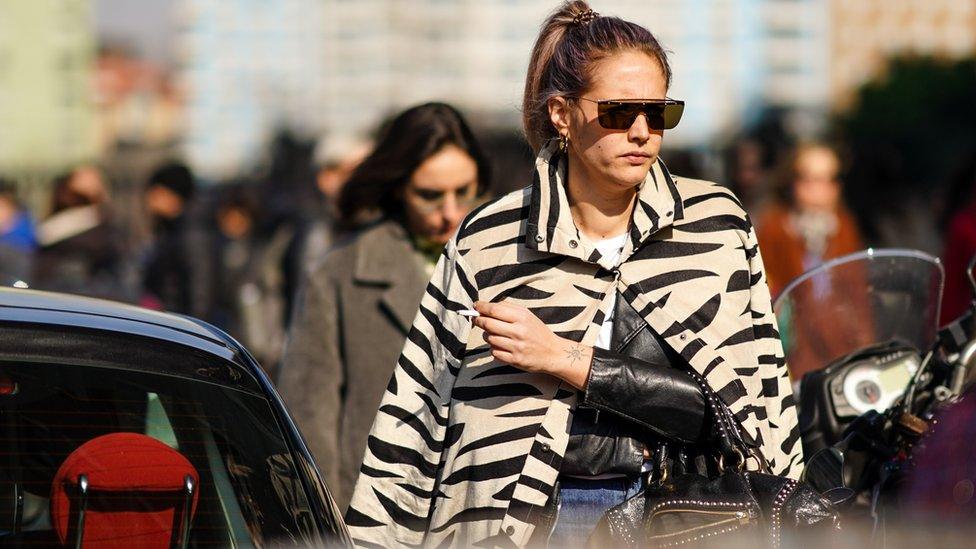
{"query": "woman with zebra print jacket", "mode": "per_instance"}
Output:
(476, 440)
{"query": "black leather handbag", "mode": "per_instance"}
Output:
(733, 506)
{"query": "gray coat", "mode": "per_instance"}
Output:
(350, 322)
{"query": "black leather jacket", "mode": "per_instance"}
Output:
(637, 396)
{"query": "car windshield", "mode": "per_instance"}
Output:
(195, 459)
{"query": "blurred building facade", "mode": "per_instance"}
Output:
(384, 54)
(248, 68)
(866, 33)
(796, 35)
(340, 66)
(243, 70)
(47, 53)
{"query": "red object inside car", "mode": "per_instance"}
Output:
(8, 387)
(136, 492)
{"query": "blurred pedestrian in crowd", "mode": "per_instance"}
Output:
(235, 246)
(356, 305)
(248, 300)
(18, 239)
(16, 224)
(82, 250)
(177, 273)
(336, 158)
(747, 174)
(959, 223)
(809, 224)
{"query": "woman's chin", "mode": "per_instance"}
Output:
(631, 176)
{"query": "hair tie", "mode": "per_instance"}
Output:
(583, 18)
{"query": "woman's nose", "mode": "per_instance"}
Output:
(639, 131)
(451, 209)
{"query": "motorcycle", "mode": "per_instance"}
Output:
(874, 371)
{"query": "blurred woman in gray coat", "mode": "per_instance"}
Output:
(357, 303)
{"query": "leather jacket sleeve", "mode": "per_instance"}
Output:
(641, 380)
(658, 397)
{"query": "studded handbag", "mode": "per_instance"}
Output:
(732, 506)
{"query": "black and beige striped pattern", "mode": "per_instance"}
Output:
(465, 450)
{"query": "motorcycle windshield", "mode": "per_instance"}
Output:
(858, 300)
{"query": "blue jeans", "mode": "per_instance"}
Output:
(582, 503)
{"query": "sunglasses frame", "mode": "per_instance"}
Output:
(667, 110)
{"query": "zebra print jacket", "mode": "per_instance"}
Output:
(465, 450)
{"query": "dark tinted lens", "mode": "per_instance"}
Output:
(618, 116)
(621, 116)
(655, 113)
(672, 115)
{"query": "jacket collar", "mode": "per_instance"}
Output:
(387, 258)
(551, 228)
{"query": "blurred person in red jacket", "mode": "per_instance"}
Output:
(809, 224)
(960, 242)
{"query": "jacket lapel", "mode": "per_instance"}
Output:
(551, 228)
(387, 259)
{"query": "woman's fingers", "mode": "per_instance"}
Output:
(503, 349)
(500, 342)
(502, 356)
(516, 336)
(501, 311)
(496, 327)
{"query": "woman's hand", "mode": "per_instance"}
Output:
(519, 338)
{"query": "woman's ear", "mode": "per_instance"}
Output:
(559, 114)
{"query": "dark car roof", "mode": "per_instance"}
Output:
(32, 306)
(48, 301)
(22, 310)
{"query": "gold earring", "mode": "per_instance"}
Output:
(563, 143)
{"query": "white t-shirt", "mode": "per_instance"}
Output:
(610, 248)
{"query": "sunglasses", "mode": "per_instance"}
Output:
(619, 114)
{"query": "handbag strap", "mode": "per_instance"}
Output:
(731, 442)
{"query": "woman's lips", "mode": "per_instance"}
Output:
(636, 158)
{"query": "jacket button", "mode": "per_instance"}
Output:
(546, 448)
(573, 243)
(683, 337)
(539, 238)
(669, 214)
(510, 530)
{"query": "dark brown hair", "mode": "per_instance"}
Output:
(568, 45)
(411, 138)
